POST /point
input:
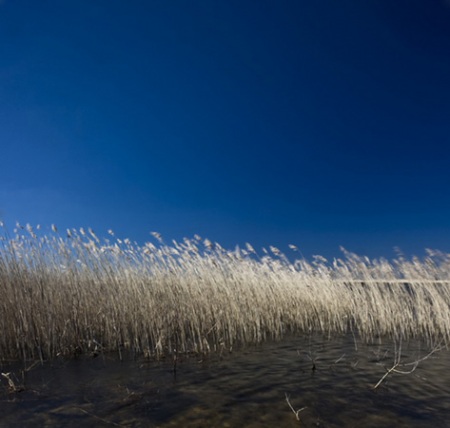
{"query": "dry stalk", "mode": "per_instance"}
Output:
(296, 412)
(12, 387)
(79, 294)
(98, 417)
(398, 363)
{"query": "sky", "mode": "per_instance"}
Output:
(315, 123)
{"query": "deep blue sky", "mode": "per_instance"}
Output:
(318, 123)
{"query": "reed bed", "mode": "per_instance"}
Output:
(73, 293)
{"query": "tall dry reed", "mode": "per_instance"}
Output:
(74, 293)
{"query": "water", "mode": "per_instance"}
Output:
(244, 389)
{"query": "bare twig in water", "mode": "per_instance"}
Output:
(312, 357)
(397, 363)
(11, 385)
(335, 363)
(296, 412)
(339, 359)
(99, 418)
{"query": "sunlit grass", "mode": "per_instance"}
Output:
(69, 293)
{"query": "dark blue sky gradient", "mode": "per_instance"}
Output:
(317, 123)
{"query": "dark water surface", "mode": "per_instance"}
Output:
(244, 389)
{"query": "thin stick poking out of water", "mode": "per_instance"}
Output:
(296, 412)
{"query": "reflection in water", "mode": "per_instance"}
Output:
(244, 389)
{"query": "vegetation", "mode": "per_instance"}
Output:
(63, 294)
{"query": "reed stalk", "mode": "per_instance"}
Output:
(73, 293)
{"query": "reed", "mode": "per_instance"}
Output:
(64, 294)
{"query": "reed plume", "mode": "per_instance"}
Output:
(63, 294)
